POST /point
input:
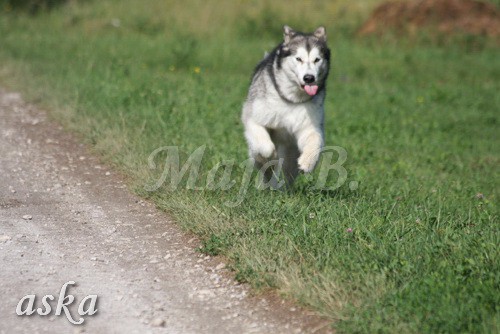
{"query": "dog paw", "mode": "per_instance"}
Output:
(265, 150)
(307, 162)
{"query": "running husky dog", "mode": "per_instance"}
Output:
(283, 113)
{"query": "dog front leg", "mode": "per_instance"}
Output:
(260, 144)
(310, 142)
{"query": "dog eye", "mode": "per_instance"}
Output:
(317, 60)
(298, 59)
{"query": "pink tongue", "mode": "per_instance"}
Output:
(311, 90)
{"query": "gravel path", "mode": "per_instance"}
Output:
(64, 216)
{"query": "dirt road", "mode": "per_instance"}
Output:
(64, 217)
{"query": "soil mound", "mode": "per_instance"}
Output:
(444, 16)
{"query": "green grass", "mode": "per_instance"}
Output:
(419, 123)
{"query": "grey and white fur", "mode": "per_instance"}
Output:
(283, 114)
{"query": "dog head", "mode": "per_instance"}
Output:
(305, 58)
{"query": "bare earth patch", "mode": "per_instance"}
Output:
(445, 16)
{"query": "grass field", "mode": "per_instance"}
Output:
(412, 249)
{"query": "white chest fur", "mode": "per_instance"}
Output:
(275, 113)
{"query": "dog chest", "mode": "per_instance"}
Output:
(278, 114)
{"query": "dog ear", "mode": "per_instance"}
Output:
(287, 34)
(320, 33)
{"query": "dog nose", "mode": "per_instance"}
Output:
(308, 78)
